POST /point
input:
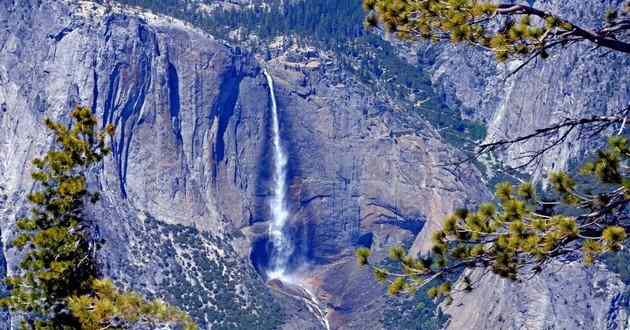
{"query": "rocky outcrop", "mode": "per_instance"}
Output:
(575, 81)
(590, 298)
(361, 174)
(172, 188)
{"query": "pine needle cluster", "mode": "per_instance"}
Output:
(526, 31)
(120, 310)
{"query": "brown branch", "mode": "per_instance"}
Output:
(537, 53)
(601, 38)
(593, 125)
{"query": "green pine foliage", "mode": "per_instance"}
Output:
(528, 32)
(414, 311)
(523, 232)
(107, 306)
(57, 285)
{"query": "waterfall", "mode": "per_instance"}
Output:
(282, 246)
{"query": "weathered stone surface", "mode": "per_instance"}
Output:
(172, 188)
(588, 299)
(191, 158)
(185, 191)
(574, 81)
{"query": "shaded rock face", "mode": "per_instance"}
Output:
(190, 166)
(360, 175)
(355, 168)
(592, 298)
(138, 77)
(173, 186)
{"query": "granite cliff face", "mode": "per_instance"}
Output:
(361, 174)
(171, 91)
(185, 193)
(566, 296)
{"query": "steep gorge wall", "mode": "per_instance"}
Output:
(172, 188)
(190, 167)
(575, 81)
(361, 174)
(186, 189)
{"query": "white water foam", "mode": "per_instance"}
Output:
(282, 245)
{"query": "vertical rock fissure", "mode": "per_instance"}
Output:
(112, 92)
(224, 108)
(95, 89)
(128, 120)
(172, 79)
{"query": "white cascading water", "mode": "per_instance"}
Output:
(282, 246)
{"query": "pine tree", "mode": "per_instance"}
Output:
(57, 285)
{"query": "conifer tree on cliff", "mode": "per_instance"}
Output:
(57, 284)
(520, 233)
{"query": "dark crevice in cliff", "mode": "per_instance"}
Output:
(110, 21)
(144, 34)
(412, 225)
(260, 255)
(172, 79)
(59, 35)
(398, 219)
(95, 90)
(237, 167)
(112, 92)
(223, 110)
(365, 240)
(619, 303)
(127, 120)
(306, 201)
(5, 317)
(197, 140)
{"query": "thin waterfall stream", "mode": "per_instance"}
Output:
(282, 245)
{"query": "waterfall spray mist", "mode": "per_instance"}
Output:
(282, 245)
